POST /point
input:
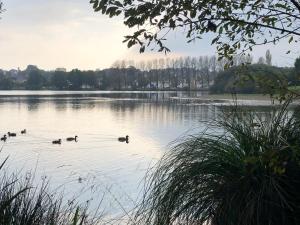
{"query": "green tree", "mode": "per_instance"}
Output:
(268, 58)
(59, 80)
(261, 60)
(297, 66)
(237, 26)
(90, 79)
(6, 83)
(76, 79)
(297, 72)
(35, 80)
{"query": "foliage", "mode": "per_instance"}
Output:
(1, 7)
(6, 83)
(59, 80)
(76, 80)
(22, 203)
(297, 67)
(268, 58)
(249, 175)
(235, 25)
(181, 73)
(256, 78)
(35, 80)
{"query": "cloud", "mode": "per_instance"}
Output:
(69, 34)
(58, 34)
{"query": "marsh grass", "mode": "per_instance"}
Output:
(23, 203)
(246, 173)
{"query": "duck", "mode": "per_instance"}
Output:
(72, 138)
(56, 142)
(23, 131)
(11, 134)
(124, 139)
(4, 138)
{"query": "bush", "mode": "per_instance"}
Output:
(250, 79)
(249, 175)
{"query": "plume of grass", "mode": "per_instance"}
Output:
(248, 175)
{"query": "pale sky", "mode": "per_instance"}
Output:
(67, 33)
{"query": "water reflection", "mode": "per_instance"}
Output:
(152, 120)
(98, 159)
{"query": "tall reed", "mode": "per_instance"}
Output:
(23, 203)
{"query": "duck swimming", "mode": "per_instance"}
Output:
(11, 134)
(56, 142)
(23, 131)
(4, 138)
(72, 138)
(124, 139)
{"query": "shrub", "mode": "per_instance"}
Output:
(249, 175)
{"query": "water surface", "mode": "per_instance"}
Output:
(98, 165)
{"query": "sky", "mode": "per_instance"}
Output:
(68, 34)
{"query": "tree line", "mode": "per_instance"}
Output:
(187, 73)
(182, 73)
(258, 78)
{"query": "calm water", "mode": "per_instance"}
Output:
(97, 165)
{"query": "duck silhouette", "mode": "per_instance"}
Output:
(11, 134)
(4, 138)
(56, 142)
(124, 139)
(72, 138)
(23, 131)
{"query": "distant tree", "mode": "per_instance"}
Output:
(261, 60)
(155, 69)
(59, 80)
(268, 58)
(162, 67)
(31, 68)
(89, 79)
(297, 66)
(6, 83)
(75, 78)
(1, 7)
(259, 79)
(35, 80)
(149, 67)
(297, 71)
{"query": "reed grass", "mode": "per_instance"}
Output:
(247, 175)
(23, 203)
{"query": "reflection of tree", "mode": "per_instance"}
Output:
(163, 111)
(33, 103)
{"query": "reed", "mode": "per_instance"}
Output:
(23, 203)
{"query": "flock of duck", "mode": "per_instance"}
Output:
(4, 138)
(58, 141)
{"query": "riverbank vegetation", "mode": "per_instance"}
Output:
(184, 73)
(244, 170)
(24, 202)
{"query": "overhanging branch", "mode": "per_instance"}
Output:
(297, 4)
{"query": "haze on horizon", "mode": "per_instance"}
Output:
(68, 34)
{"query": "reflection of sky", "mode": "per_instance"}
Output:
(69, 34)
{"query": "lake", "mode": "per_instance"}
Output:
(98, 166)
